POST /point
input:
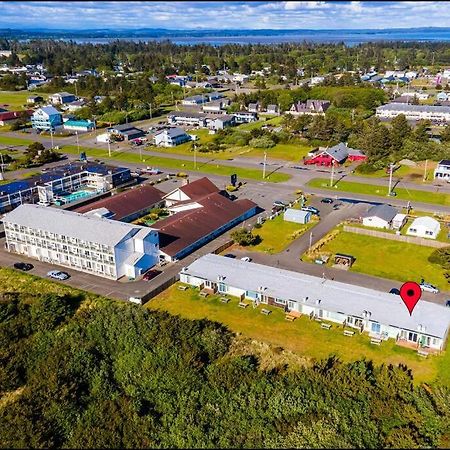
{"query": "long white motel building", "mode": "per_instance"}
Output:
(414, 112)
(102, 247)
(382, 315)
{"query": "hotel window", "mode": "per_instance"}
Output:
(222, 287)
(280, 301)
(376, 327)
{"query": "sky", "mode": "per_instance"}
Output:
(224, 14)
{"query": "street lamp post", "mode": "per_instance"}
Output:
(195, 156)
(109, 148)
(78, 143)
(51, 135)
(391, 167)
(310, 243)
(264, 165)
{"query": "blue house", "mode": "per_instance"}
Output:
(46, 118)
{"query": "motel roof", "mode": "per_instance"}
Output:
(414, 108)
(382, 211)
(334, 296)
(72, 224)
(183, 229)
(126, 203)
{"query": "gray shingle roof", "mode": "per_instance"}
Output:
(385, 308)
(383, 211)
(414, 108)
(50, 110)
(68, 223)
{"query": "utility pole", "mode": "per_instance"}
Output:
(51, 135)
(109, 147)
(264, 165)
(425, 171)
(1, 173)
(332, 174)
(391, 167)
(195, 156)
(150, 110)
(78, 144)
(310, 243)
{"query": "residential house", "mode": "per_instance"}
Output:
(380, 216)
(128, 205)
(272, 109)
(310, 107)
(46, 118)
(61, 98)
(75, 106)
(380, 314)
(337, 154)
(99, 246)
(240, 78)
(221, 122)
(194, 100)
(442, 96)
(442, 171)
(171, 137)
(254, 107)
(245, 117)
(216, 106)
(425, 227)
(34, 99)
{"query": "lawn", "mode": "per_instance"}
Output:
(6, 140)
(387, 259)
(302, 337)
(15, 99)
(172, 163)
(277, 234)
(381, 191)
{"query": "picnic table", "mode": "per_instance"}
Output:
(224, 300)
(204, 294)
(348, 333)
(182, 288)
(266, 311)
(326, 326)
(243, 305)
(422, 353)
(375, 341)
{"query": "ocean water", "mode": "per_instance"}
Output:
(349, 37)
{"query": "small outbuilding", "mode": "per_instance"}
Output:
(379, 216)
(425, 227)
(297, 216)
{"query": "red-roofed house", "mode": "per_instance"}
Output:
(11, 116)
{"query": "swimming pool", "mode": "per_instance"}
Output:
(77, 195)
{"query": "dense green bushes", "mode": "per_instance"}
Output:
(106, 374)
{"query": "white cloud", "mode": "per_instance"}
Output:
(292, 5)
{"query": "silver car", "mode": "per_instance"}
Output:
(427, 287)
(58, 275)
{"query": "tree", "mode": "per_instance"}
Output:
(445, 134)
(399, 131)
(245, 237)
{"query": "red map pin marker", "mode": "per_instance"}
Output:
(410, 293)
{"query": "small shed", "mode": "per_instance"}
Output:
(297, 216)
(344, 260)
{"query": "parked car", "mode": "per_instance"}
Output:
(311, 209)
(447, 303)
(327, 200)
(246, 259)
(150, 274)
(23, 266)
(58, 275)
(427, 287)
(394, 291)
(230, 255)
(279, 203)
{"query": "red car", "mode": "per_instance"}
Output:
(149, 275)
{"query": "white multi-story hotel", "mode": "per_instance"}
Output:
(88, 243)
(382, 315)
(414, 112)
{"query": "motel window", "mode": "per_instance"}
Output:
(429, 233)
(280, 301)
(222, 287)
(376, 327)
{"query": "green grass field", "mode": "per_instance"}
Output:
(172, 163)
(277, 234)
(381, 191)
(6, 140)
(303, 337)
(16, 99)
(387, 259)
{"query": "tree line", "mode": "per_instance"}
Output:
(98, 373)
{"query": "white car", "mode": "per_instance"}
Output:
(58, 275)
(246, 259)
(427, 287)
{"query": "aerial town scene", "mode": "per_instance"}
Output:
(225, 224)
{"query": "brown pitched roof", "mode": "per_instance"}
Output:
(185, 228)
(199, 188)
(127, 202)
